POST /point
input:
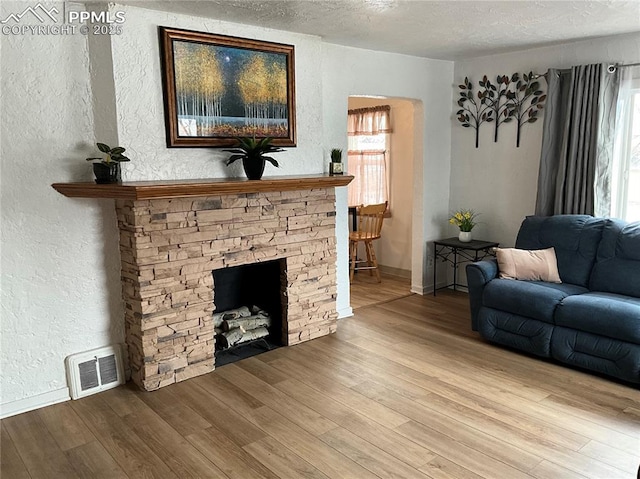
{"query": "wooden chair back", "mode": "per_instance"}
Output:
(370, 219)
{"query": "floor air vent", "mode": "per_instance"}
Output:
(94, 371)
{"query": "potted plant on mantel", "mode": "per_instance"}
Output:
(107, 170)
(253, 153)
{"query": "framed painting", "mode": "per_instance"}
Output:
(218, 87)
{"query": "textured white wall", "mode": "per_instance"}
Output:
(60, 283)
(350, 71)
(498, 179)
(140, 108)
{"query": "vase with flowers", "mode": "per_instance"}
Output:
(465, 220)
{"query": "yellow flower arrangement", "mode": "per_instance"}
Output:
(464, 219)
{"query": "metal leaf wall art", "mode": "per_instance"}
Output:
(510, 99)
(525, 101)
(473, 113)
(496, 96)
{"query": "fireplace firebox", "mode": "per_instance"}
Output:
(258, 291)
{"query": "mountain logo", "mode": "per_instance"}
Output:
(39, 11)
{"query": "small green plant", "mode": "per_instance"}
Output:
(253, 150)
(336, 155)
(111, 154)
(464, 219)
(253, 154)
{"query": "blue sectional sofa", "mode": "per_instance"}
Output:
(592, 319)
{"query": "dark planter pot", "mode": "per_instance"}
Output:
(253, 167)
(107, 173)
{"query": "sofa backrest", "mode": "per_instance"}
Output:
(574, 237)
(617, 268)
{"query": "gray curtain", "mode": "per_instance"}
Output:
(607, 113)
(575, 164)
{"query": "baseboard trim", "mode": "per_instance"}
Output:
(34, 402)
(345, 312)
(421, 290)
(428, 289)
(400, 273)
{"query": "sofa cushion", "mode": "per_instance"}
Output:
(607, 314)
(616, 358)
(515, 331)
(617, 268)
(574, 237)
(531, 299)
(526, 264)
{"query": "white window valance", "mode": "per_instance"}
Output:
(369, 121)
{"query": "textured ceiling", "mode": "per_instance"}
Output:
(447, 30)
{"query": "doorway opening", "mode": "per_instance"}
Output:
(399, 258)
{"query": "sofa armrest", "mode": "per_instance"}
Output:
(478, 275)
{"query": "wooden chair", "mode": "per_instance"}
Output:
(369, 225)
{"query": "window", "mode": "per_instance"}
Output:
(367, 162)
(368, 155)
(626, 171)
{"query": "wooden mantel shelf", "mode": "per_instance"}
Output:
(148, 190)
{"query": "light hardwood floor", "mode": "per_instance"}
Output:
(404, 389)
(366, 291)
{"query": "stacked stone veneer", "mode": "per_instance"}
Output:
(169, 248)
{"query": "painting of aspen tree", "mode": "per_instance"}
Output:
(218, 88)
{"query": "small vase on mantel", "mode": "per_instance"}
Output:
(464, 236)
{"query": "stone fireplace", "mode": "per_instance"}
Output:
(170, 246)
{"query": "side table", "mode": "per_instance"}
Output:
(454, 251)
